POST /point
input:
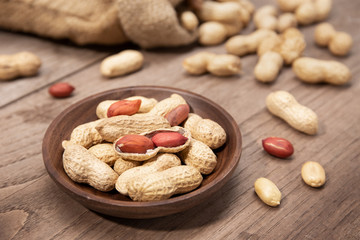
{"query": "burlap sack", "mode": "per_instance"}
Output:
(148, 23)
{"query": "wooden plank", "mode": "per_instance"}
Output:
(59, 59)
(33, 207)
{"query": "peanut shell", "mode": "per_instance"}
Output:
(86, 135)
(151, 153)
(158, 163)
(83, 167)
(102, 107)
(167, 104)
(164, 184)
(113, 128)
(284, 105)
(122, 165)
(146, 103)
(205, 130)
(200, 156)
(105, 152)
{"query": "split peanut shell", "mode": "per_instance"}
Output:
(153, 152)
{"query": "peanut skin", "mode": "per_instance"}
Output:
(283, 105)
(22, 64)
(311, 70)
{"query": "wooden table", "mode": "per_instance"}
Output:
(33, 207)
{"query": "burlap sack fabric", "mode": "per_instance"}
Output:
(148, 23)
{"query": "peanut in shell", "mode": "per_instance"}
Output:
(83, 167)
(162, 185)
(205, 130)
(113, 128)
(86, 134)
(167, 104)
(158, 163)
(200, 156)
(104, 152)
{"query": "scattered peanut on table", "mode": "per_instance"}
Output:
(284, 105)
(125, 62)
(307, 12)
(216, 64)
(285, 21)
(267, 191)
(266, 17)
(313, 174)
(339, 43)
(22, 64)
(61, 90)
(268, 66)
(312, 70)
(241, 45)
(278, 147)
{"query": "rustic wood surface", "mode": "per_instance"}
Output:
(33, 207)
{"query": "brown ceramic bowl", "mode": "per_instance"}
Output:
(113, 203)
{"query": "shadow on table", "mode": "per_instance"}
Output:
(203, 214)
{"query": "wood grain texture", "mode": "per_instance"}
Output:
(33, 207)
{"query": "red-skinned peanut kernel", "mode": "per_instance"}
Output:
(278, 147)
(61, 90)
(168, 139)
(124, 107)
(178, 114)
(133, 143)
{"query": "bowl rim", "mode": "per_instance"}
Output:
(120, 203)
